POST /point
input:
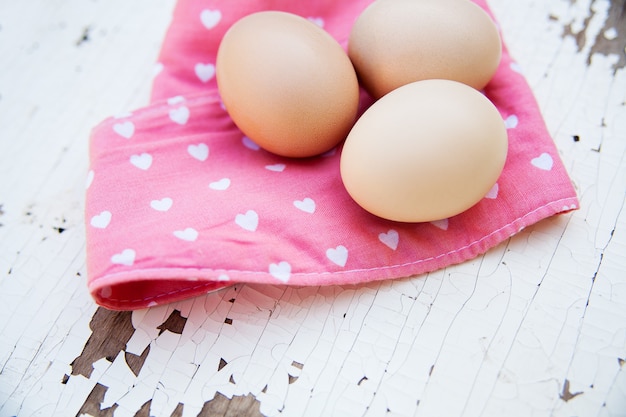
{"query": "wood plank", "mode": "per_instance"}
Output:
(535, 327)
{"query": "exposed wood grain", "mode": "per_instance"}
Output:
(245, 406)
(91, 406)
(175, 323)
(612, 37)
(110, 333)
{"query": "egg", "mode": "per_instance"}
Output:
(287, 84)
(395, 42)
(426, 151)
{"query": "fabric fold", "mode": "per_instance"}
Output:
(180, 202)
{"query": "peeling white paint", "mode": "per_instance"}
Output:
(535, 327)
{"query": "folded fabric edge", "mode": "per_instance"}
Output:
(141, 288)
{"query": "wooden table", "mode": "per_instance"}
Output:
(536, 327)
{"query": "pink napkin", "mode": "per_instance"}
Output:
(180, 202)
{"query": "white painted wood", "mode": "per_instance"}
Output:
(536, 327)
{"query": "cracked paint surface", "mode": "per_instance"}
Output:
(536, 327)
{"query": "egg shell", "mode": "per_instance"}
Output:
(395, 42)
(426, 151)
(287, 84)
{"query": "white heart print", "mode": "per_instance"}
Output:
(143, 161)
(338, 255)
(493, 192)
(276, 167)
(199, 151)
(543, 161)
(175, 100)
(102, 220)
(126, 257)
(516, 67)
(189, 234)
(179, 115)
(250, 144)
(220, 185)
(248, 221)
(205, 72)
(319, 21)
(441, 224)
(390, 239)
(163, 204)
(157, 69)
(210, 18)
(307, 205)
(124, 129)
(511, 122)
(329, 153)
(89, 179)
(281, 271)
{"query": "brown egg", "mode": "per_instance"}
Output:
(287, 84)
(395, 42)
(426, 151)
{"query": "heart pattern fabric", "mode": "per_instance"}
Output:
(180, 202)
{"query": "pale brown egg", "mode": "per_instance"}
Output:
(395, 42)
(426, 151)
(287, 84)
